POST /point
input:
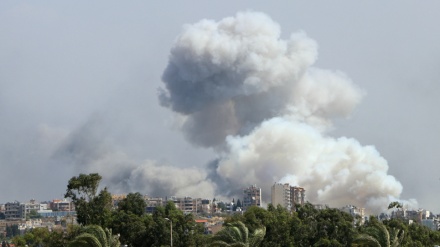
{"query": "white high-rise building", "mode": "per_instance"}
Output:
(281, 195)
(287, 196)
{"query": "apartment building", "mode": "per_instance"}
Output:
(188, 204)
(356, 212)
(297, 195)
(61, 205)
(15, 210)
(205, 206)
(287, 196)
(280, 195)
(252, 196)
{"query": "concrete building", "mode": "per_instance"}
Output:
(61, 205)
(206, 206)
(432, 224)
(287, 196)
(297, 195)
(280, 195)
(251, 197)
(153, 203)
(320, 206)
(15, 210)
(357, 213)
(190, 205)
(34, 206)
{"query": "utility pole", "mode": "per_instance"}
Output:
(171, 227)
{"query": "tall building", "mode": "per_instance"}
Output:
(251, 196)
(287, 196)
(281, 195)
(297, 195)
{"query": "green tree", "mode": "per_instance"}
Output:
(324, 242)
(394, 205)
(132, 228)
(18, 241)
(222, 206)
(36, 237)
(335, 225)
(237, 234)
(256, 218)
(419, 235)
(8, 231)
(134, 203)
(277, 225)
(305, 227)
(377, 234)
(91, 208)
(239, 205)
(33, 214)
(95, 236)
(186, 232)
(55, 239)
(12, 230)
(43, 237)
(311, 226)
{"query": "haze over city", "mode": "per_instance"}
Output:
(205, 98)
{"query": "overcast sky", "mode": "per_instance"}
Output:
(77, 76)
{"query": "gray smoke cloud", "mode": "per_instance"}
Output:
(237, 87)
(257, 99)
(91, 149)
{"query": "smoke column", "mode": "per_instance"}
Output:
(239, 89)
(257, 99)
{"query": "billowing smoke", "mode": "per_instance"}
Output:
(256, 99)
(91, 149)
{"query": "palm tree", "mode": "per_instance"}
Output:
(378, 235)
(95, 236)
(236, 234)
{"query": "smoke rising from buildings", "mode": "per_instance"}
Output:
(241, 89)
(91, 149)
(256, 98)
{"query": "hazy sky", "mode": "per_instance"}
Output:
(79, 85)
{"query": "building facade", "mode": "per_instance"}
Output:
(280, 195)
(252, 196)
(297, 195)
(287, 196)
(15, 210)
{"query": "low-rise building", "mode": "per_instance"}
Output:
(15, 210)
(357, 213)
(152, 203)
(64, 206)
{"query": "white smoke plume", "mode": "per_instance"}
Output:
(256, 99)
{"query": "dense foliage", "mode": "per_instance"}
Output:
(128, 224)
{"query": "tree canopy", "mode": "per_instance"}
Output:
(272, 227)
(91, 208)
